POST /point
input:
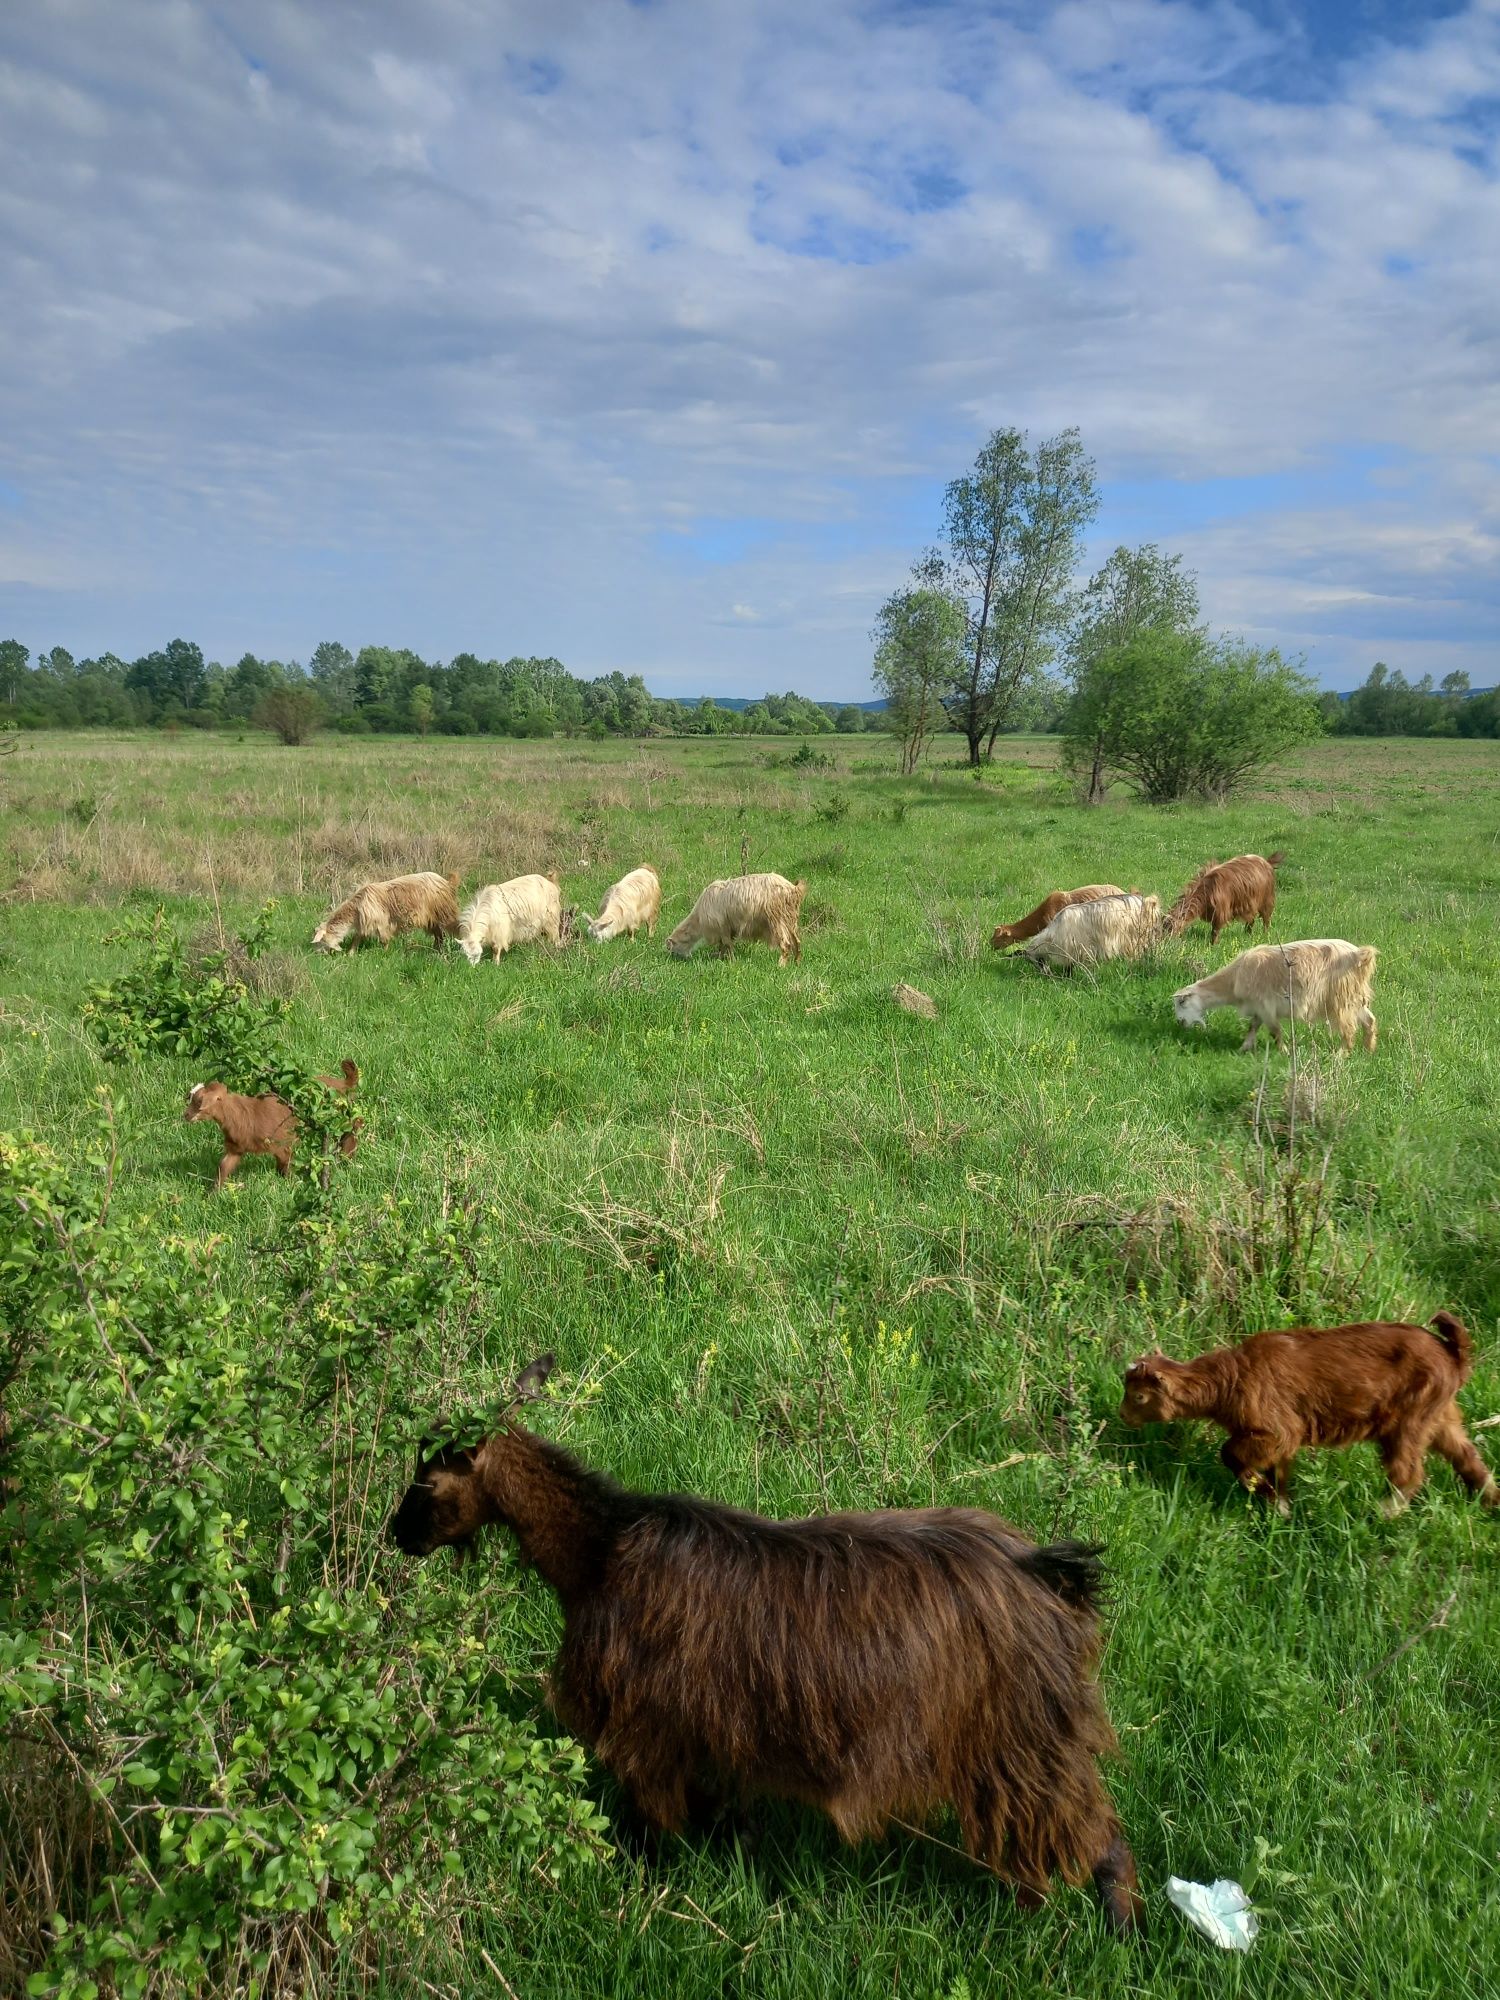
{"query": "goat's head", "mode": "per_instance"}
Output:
(1187, 1005)
(471, 946)
(328, 936)
(203, 1101)
(1001, 936)
(1149, 1397)
(448, 1502)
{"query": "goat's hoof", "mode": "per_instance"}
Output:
(1394, 1505)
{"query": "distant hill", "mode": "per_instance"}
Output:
(740, 702)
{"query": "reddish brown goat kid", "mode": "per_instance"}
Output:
(1228, 892)
(261, 1124)
(876, 1666)
(1381, 1382)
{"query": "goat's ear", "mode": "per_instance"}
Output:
(533, 1379)
(1143, 1371)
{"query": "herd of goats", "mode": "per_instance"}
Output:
(889, 1665)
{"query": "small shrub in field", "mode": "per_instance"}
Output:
(834, 810)
(291, 714)
(229, 1746)
(808, 759)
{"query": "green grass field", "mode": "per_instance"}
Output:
(798, 1250)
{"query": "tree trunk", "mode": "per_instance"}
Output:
(975, 737)
(1096, 777)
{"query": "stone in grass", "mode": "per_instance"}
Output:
(912, 1002)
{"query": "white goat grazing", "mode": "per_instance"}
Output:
(1315, 979)
(508, 913)
(1089, 933)
(380, 911)
(634, 900)
(754, 907)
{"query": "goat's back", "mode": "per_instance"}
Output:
(1347, 1382)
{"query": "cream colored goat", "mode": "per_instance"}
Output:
(1089, 933)
(761, 908)
(1315, 979)
(507, 913)
(380, 911)
(634, 900)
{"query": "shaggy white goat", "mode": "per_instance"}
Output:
(755, 907)
(1315, 979)
(380, 911)
(634, 900)
(507, 913)
(1089, 933)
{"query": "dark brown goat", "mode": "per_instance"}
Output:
(1381, 1382)
(875, 1666)
(261, 1124)
(1037, 920)
(1228, 892)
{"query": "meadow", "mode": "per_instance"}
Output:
(798, 1250)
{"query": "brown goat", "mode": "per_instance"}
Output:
(875, 1666)
(1038, 919)
(1381, 1382)
(261, 1124)
(1228, 892)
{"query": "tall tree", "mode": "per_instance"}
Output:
(1013, 527)
(14, 658)
(1135, 591)
(920, 652)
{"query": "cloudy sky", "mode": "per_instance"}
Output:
(648, 335)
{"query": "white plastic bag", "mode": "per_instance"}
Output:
(1221, 1910)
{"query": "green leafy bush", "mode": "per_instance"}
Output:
(200, 1642)
(227, 1745)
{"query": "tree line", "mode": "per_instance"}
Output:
(381, 690)
(1388, 704)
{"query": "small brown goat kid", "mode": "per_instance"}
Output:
(261, 1124)
(1005, 935)
(1228, 892)
(1381, 1382)
(875, 1666)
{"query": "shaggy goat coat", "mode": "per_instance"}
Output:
(506, 913)
(1116, 926)
(632, 901)
(1314, 979)
(261, 1124)
(1381, 1382)
(755, 908)
(1228, 892)
(380, 911)
(875, 1666)
(1038, 919)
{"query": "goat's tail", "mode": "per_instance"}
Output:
(451, 880)
(1071, 1570)
(1454, 1335)
(1275, 860)
(350, 1073)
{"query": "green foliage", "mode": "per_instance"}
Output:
(171, 1004)
(1182, 717)
(292, 714)
(1014, 525)
(919, 654)
(1388, 704)
(199, 1636)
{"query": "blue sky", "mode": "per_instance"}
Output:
(647, 335)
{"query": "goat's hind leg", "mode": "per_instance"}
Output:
(1454, 1443)
(1404, 1460)
(1116, 1885)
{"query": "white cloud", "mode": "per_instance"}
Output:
(398, 322)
